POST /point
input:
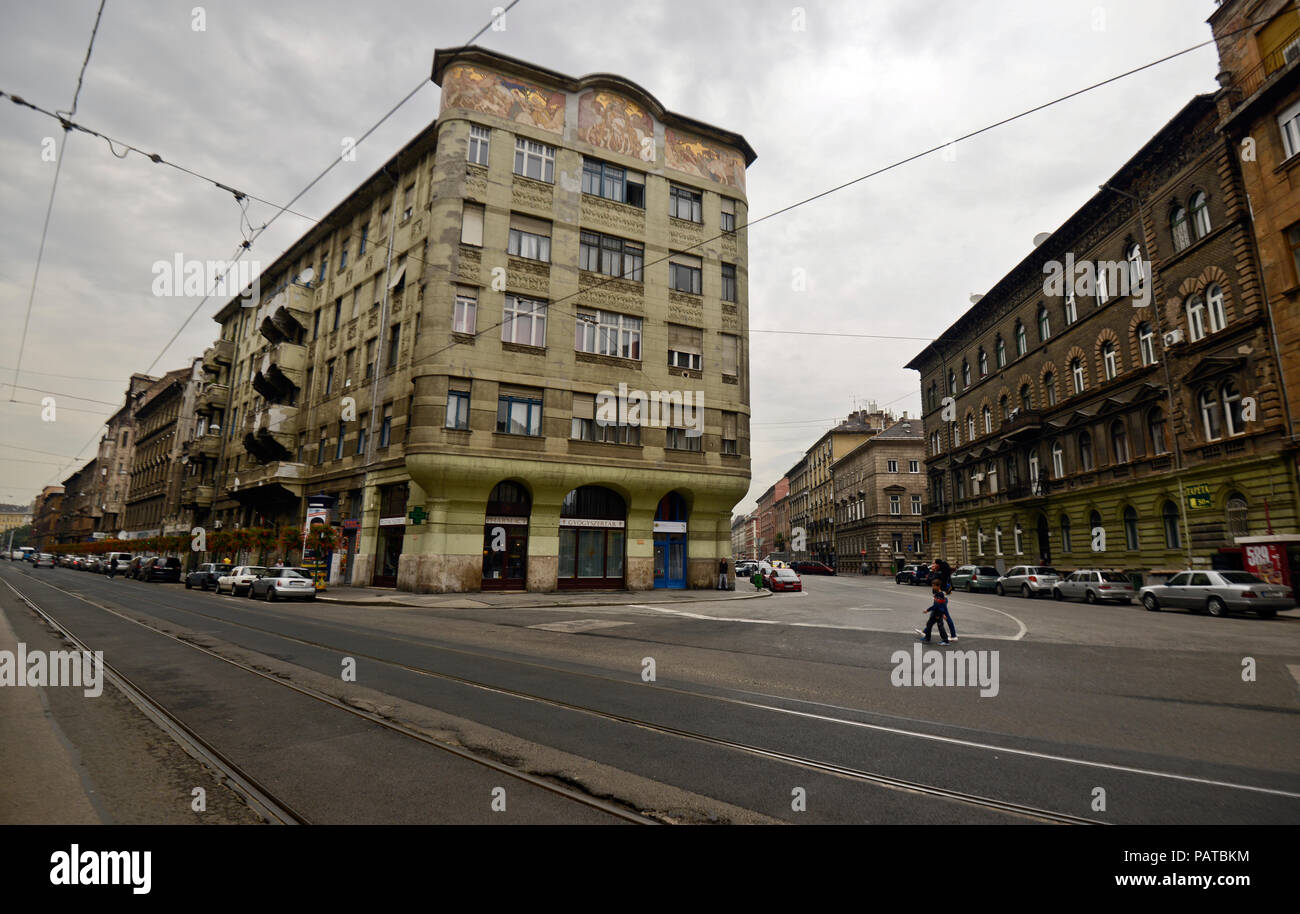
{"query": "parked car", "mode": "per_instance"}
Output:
(160, 568)
(133, 566)
(1218, 593)
(91, 563)
(237, 580)
(971, 578)
(1028, 580)
(1093, 585)
(812, 568)
(784, 579)
(204, 576)
(913, 574)
(42, 560)
(121, 561)
(284, 584)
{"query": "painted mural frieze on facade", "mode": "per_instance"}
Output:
(482, 90)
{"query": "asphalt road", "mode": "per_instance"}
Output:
(788, 708)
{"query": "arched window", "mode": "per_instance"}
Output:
(988, 420)
(1071, 310)
(1210, 415)
(1002, 403)
(1218, 318)
(991, 472)
(1200, 208)
(974, 482)
(1103, 284)
(1108, 361)
(1013, 472)
(1178, 227)
(984, 363)
(1156, 427)
(1094, 523)
(965, 373)
(1026, 402)
(1173, 539)
(1196, 317)
(1131, 528)
(1022, 340)
(1136, 273)
(1044, 325)
(934, 395)
(970, 427)
(1049, 382)
(1085, 451)
(1001, 350)
(1058, 461)
(1146, 343)
(952, 383)
(1076, 374)
(1066, 545)
(1235, 421)
(1238, 522)
(1119, 441)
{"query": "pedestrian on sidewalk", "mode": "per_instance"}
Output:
(722, 574)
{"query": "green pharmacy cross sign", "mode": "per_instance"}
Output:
(1199, 496)
(417, 515)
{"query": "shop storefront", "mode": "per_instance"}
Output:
(392, 532)
(593, 540)
(670, 542)
(505, 538)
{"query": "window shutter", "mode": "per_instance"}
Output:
(686, 339)
(471, 227)
(730, 354)
(530, 225)
(584, 406)
(729, 426)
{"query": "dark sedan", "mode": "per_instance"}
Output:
(204, 576)
(160, 569)
(913, 574)
(812, 568)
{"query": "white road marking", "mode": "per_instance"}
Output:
(578, 625)
(707, 618)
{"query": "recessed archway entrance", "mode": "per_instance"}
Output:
(593, 539)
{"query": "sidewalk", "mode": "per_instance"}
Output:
(378, 596)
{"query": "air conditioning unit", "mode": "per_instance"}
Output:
(1173, 338)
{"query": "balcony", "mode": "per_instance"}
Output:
(196, 494)
(1253, 79)
(205, 445)
(213, 396)
(284, 318)
(1023, 423)
(275, 478)
(222, 352)
(282, 371)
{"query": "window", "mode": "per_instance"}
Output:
(1209, 404)
(730, 355)
(730, 443)
(1200, 208)
(386, 424)
(324, 266)
(1289, 123)
(1178, 228)
(1136, 271)
(1001, 350)
(612, 256)
(1156, 426)
(728, 282)
(1003, 405)
(935, 445)
(343, 257)
(1146, 344)
(1173, 540)
(383, 221)
(913, 466)
(1022, 341)
(1076, 375)
(916, 506)
(471, 224)
(685, 204)
(524, 321)
(329, 376)
(1085, 452)
(349, 358)
(1058, 461)
(1131, 528)
(361, 245)
(895, 504)
(458, 409)
(1218, 318)
(464, 317)
(1013, 471)
(965, 374)
(363, 428)
(1196, 317)
(1049, 383)
(1044, 325)
(338, 313)
(681, 439)
(1103, 285)
(1071, 309)
(684, 273)
(1238, 520)
(970, 427)
(1232, 413)
(612, 182)
(530, 238)
(952, 384)
(1108, 361)
(991, 474)
(1066, 545)
(611, 425)
(892, 465)
(685, 346)
(984, 363)
(408, 201)
(607, 333)
(988, 420)
(320, 447)
(394, 340)
(479, 140)
(997, 539)
(519, 415)
(1017, 533)
(728, 215)
(370, 358)
(338, 444)
(302, 446)
(534, 160)
(1119, 441)
(1026, 401)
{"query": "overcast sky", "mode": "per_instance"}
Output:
(262, 97)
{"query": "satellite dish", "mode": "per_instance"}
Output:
(307, 275)
(975, 298)
(1041, 237)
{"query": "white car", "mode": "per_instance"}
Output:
(239, 579)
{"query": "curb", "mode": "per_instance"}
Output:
(385, 601)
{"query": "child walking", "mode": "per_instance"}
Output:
(936, 611)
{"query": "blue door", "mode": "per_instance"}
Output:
(670, 542)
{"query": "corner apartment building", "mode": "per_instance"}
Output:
(768, 539)
(453, 356)
(818, 483)
(80, 513)
(879, 500)
(1146, 407)
(164, 422)
(45, 519)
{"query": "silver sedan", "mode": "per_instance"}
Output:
(1218, 593)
